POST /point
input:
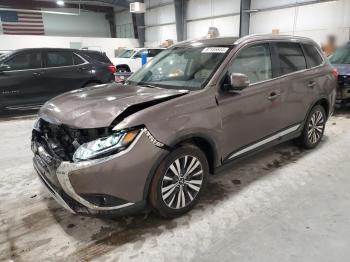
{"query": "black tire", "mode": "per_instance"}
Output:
(185, 193)
(314, 127)
(122, 69)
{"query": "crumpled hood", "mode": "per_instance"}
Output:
(343, 70)
(98, 106)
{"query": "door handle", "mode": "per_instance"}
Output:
(36, 74)
(311, 84)
(273, 96)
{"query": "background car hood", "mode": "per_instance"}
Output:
(343, 70)
(98, 106)
(119, 61)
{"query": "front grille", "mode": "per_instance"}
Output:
(343, 81)
(63, 140)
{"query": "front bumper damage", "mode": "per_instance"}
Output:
(113, 185)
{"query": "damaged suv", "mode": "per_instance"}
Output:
(195, 107)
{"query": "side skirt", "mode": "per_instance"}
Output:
(247, 151)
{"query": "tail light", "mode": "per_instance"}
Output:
(335, 73)
(112, 69)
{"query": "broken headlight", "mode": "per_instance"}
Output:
(106, 145)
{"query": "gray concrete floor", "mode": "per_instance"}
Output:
(284, 204)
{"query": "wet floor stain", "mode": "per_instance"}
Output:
(108, 238)
(284, 157)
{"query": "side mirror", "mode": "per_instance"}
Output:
(237, 82)
(4, 68)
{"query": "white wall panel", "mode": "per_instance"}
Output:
(160, 15)
(108, 45)
(260, 4)
(155, 35)
(88, 24)
(227, 26)
(152, 3)
(316, 21)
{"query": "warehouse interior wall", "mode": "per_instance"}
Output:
(222, 14)
(124, 25)
(159, 21)
(334, 18)
(107, 45)
(86, 24)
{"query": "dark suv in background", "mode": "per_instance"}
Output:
(30, 77)
(196, 107)
(341, 60)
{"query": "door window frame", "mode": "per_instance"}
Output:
(23, 53)
(220, 78)
(55, 67)
(43, 62)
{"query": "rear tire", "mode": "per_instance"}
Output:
(179, 181)
(314, 128)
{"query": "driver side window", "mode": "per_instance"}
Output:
(255, 62)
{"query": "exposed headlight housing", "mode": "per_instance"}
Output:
(100, 147)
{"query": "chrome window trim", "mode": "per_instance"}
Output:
(265, 141)
(55, 67)
(244, 44)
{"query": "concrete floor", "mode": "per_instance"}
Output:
(284, 204)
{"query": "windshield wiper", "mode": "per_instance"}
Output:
(147, 85)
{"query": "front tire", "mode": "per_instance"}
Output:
(179, 181)
(314, 127)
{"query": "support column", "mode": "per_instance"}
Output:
(180, 16)
(244, 18)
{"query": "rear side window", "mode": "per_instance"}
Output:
(313, 57)
(255, 62)
(291, 58)
(30, 60)
(77, 60)
(59, 58)
(99, 57)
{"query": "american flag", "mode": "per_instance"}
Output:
(22, 23)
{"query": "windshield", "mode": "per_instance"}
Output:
(181, 68)
(4, 55)
(126, 54)
(340, 56)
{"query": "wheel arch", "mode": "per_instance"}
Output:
(203, 142)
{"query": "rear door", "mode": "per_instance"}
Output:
(296, 82)
(65, 71)
(252, 114)
(21, 85)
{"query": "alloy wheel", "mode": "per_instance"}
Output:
(316, 127)
(182, 182)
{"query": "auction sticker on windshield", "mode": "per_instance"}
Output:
(215, 50)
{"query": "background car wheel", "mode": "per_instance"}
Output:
(314, 127)
(122, 69)
(179, 181)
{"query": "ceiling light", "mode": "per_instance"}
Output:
(60, 3)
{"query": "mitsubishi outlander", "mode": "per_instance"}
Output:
(153, 142)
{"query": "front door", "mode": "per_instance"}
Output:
(21, 84)
(253, 114)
